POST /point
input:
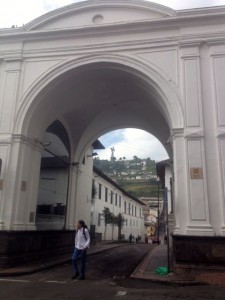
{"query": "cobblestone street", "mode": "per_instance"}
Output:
(107, 278)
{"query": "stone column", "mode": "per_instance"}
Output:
(180, 187)
(10, 68)
(72, 197)
(20, 184)
(198, 222)
(213, 91)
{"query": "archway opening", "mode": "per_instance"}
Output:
(95, 98)
(127, 201)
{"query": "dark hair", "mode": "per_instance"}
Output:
(82, 223)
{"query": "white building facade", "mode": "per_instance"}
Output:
(97, 66)
(110, 195)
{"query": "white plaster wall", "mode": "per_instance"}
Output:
(134, 224)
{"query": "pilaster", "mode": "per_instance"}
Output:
(180, 200)
(9, 87)
(20, 183)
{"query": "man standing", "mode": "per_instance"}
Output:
(82, 242)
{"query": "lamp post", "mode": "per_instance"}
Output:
(167, 229)
(158, 182)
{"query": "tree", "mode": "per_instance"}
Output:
(119, 220)
(109, 218)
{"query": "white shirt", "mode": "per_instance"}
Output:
(81, 242)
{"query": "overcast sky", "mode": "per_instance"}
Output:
(127, 142)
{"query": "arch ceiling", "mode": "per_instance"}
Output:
(98, 98)
(99, 12)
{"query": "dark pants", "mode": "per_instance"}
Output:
(82, 255)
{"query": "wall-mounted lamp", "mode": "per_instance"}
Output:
(93, 154)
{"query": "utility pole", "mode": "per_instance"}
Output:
(167, 230)
(158, 212)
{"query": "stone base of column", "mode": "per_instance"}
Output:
(198, 254)
(19, 247)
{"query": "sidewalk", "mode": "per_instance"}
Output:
(158, 258)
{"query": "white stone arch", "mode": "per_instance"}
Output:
(168, 93)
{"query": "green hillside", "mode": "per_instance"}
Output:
(136, 176)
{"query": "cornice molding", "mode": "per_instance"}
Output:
(191, 133)
(12, 58)
(220, 133)
(33, 142)
(176, 132)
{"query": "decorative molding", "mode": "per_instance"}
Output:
(220, 133)
(12, 58)
(190, 133)
(200, 229)
(176, 132)
(34, 142)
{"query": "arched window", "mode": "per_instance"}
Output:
(54, 177)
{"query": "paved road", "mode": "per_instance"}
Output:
(107, 278)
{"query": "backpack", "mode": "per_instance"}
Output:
(84, 234)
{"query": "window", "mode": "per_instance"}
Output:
(119, 201)
(129, 210)
(130, 222)
(111, 197)
(135, 211)
(125, 207)
(106, 194)
(99, 219)
(99, 191)
(116, 200)
(132, 210)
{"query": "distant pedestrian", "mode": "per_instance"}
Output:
(165, 239)
(138, 238)
(130, 238)
(82, 242)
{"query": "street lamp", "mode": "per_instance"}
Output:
(167, 229)
(158, 182)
